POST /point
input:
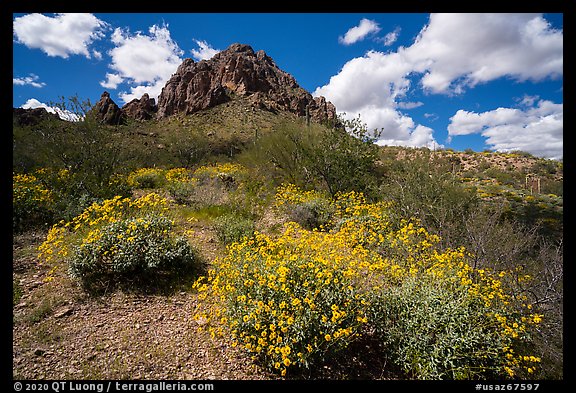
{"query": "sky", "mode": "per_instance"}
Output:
(461, 81)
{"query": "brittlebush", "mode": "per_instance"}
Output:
(297, 300)
(32, 202)
(116, 238)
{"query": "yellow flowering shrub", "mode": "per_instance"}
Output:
(296, 300)
(221, 171)
(311, 209)
(289, 194)
(177, 175)
(32, 202)
(147, 178)
(116, 237)
(288, 301)
(180, 184)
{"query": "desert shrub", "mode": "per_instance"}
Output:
(316, 213)
(298, 300)
(209, 185)
(310, 209)
(503, 177)
(180, 185)
(421, 189)
(116, 239)
(435, 333)
(129, 247)
(32, 202)
(229, 174)
(280, 303)
(233, 227)
(147, 178)
(332, 159)
(181, 191)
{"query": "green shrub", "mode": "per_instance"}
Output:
(434, 332)
(181, 191)
(232, 228)
(132, 246)
(310, 209)
(116, 239)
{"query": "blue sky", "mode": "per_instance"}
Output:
(480, 81)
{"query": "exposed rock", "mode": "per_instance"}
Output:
(66, 311)
(140, 109)
(29, 117)
(238, 72)
(322, 109)
(107, 111)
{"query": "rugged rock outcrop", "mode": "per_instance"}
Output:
(140, 109)
(239, 72)
(107, 110)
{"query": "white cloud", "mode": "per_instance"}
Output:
(397, 129)
(61, 35)
(112, 81)
(528, 100)
(537, 129)
(33, 103)
(97, 54)
(204, 52)
(147, 61)
(371, 86)
(358, 33)
(153, 90)
(409, 104)
(451, 53)
(455, 51)
(30, 80)
(391, 37)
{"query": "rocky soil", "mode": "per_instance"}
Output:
(60, 332)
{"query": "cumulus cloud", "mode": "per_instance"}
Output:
(537, 129)
(33, 103)
(61, 35)
(146, 61)
(30, 80)
(204, 51)
(371, 86)
(451, 53)
(456, 51)
(112, 81)
(358, 33)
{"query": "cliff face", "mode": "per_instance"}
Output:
(239, 72)
(140, 109)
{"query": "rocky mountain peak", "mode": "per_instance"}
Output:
(239, 72)
(107, 111)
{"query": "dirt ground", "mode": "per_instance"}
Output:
(60, 332)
